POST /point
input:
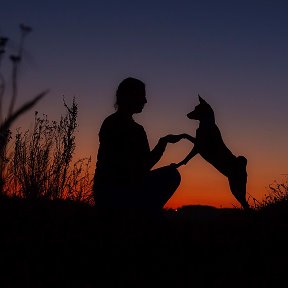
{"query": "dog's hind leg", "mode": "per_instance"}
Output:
(238, 181)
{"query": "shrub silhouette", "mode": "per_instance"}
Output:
(277, 196)
(40, 165)
(12, 115)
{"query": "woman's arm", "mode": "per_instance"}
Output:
(193, 152)
(157, 152)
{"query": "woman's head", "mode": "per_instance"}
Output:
(131, 95)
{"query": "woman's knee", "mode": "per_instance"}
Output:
(171, 175)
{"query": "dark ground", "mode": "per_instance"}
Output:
(65, 244)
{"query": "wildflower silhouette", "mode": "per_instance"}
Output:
(12, 115)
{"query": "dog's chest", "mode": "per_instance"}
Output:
(206, 135)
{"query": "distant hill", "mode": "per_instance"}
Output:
(205, 212)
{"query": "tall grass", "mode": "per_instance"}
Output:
(6, 121)
(41, 165)
(39, 162)
(277, 196)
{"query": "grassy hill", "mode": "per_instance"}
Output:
(69, 244)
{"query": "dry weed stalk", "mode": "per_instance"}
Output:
(12, 115)
(42, 161)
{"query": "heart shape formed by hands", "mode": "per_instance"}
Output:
(171, 138)
(176, 138)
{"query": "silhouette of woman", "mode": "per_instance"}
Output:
(123, 176)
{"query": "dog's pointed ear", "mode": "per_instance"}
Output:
(201, 100)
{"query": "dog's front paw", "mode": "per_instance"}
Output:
(177, 165)
(189, 137)
(174, 165)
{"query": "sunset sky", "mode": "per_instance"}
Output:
(233, 53)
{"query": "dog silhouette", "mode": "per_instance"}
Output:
(210, 145)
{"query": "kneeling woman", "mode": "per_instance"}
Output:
(124, 178)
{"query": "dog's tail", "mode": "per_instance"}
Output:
(242, 161)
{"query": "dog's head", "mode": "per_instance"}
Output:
(201, 111)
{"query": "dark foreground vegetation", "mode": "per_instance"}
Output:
(59, 243)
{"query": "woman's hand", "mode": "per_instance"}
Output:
(170, 138)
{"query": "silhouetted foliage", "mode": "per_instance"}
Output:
(41, 163)
(276, 198)
(12, 115)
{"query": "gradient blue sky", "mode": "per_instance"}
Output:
(234, 53)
